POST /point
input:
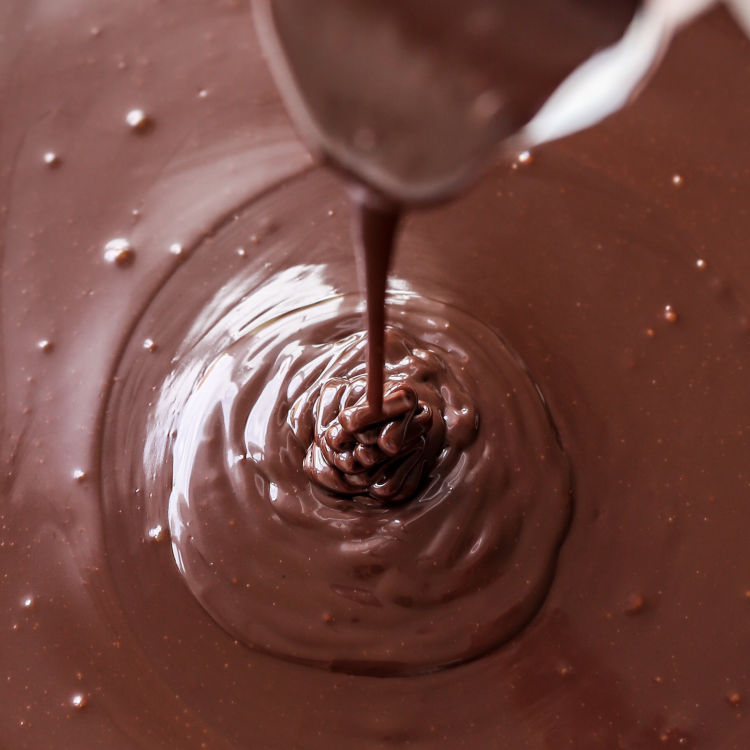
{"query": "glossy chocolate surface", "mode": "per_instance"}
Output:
(167, 246)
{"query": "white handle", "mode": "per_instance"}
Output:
(605, 82)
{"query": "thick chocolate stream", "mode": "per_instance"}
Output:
(168, 251)
(375, 236)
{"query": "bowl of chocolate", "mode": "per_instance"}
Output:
(395, 411)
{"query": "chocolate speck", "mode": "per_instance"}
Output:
(119, 251)
(51, 159)
(78, 701)
(139, 121)
(669, 314)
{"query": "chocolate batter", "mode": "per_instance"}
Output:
(602, 282)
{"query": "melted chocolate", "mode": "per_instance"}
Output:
(610, 275)
(376, 569)
(375, 235)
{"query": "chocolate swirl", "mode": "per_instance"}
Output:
(440, 549)
(383, 456)
(357, 452)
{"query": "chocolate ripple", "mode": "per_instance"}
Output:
(384, 456)
(308, 527)
(453, 565)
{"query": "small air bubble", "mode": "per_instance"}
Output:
(78, 701)
(241, 252)
(525, 157)
(149, 345)
(669, 314)
(51, 159)
(138, 120)
(156, 533)
(203, 93)
(700, 263)
(45, 345)
(676, 180)
(28, 602)
(79, 475)
(176, 248)
(119, 251)
(734, 698)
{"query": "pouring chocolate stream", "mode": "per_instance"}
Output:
(413, 111)
(639, 637)
(413, 101)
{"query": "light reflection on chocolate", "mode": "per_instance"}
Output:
(352, 582)
(572, 257)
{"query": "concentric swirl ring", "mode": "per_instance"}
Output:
(313, 576)
(427, 419)
(213, 424)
